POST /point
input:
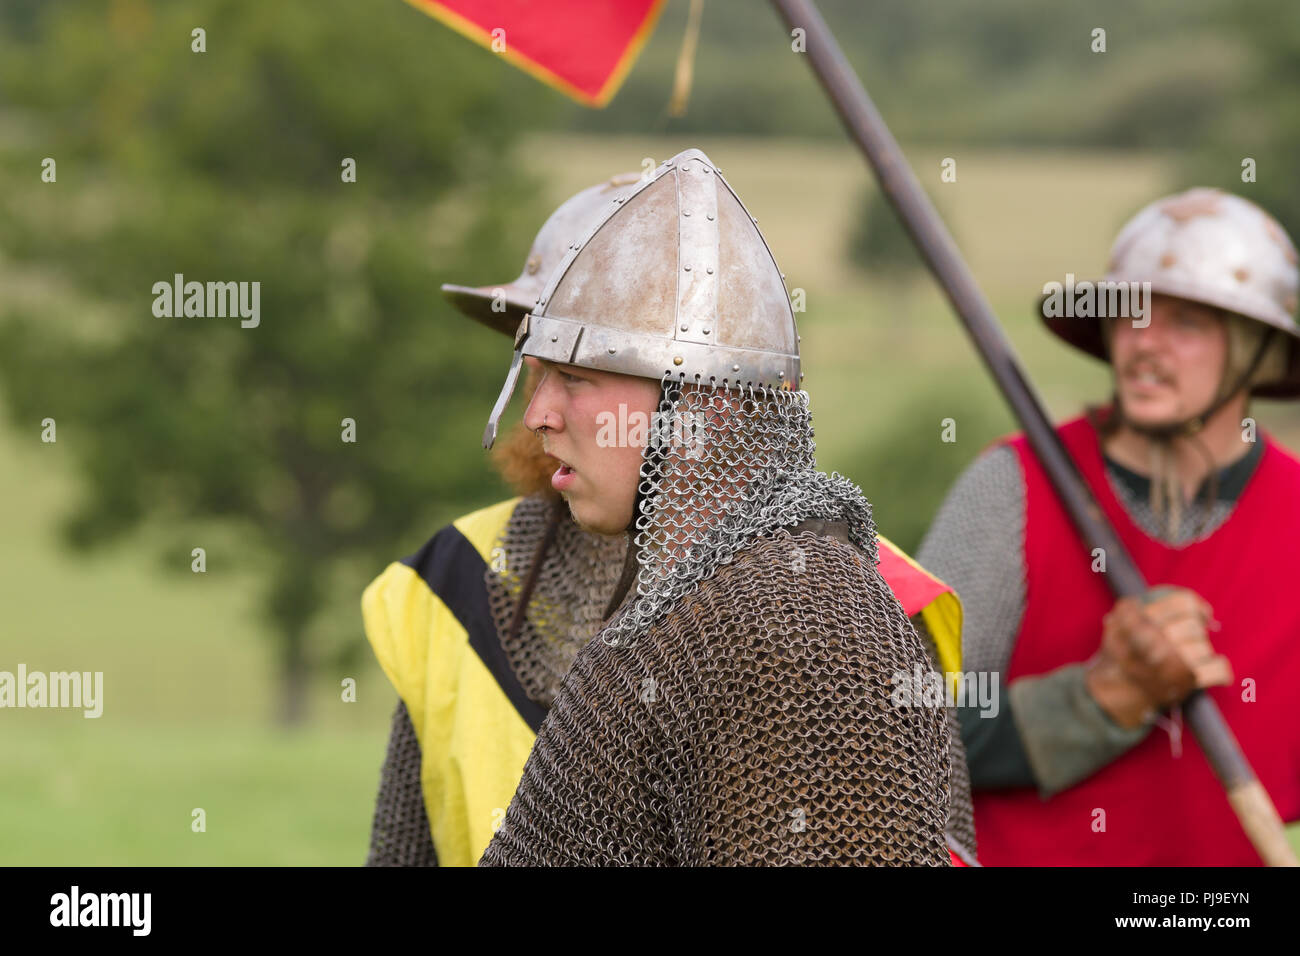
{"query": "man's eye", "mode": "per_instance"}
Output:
(567, 377)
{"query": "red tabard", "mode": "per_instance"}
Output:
(1159, 809)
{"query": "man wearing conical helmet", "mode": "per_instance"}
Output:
(735, 707)
(546, 585)
(1086, 762)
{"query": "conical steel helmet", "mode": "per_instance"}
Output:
(501, 306)
(675, 281)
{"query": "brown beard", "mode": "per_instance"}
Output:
(519, 458)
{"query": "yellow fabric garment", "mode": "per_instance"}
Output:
(473, 742)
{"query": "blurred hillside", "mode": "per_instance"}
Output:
(994, 72)
(1214, 80)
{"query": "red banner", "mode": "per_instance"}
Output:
(580, 47)
(914, 586)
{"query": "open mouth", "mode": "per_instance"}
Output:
(564, 476)
(1148, 378)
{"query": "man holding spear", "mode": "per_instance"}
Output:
(1247, 796)
(1072, 770)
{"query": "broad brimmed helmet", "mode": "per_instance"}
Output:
(1211, 247)
(501, 306)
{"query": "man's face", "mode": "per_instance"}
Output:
(1170, 370)
(599, 470)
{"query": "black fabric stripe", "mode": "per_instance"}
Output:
(455, 571)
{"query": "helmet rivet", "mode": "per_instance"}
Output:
(709, 271)
(685, 327)
(780, 374)
(707, 331)
(710, 217)
(688, 268)
(782, 276)
(801, 376)
(612, 350)
(735, 368)
(555, 338)
(677, 360)
(686, 212)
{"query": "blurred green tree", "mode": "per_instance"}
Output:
(227, 165)
(879, 243)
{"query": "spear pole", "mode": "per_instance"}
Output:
(1251, 802)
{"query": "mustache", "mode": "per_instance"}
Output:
(1148, 364)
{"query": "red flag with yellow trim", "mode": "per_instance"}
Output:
(920, 592)
(581, 48)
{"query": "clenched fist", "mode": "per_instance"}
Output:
(1154, 652)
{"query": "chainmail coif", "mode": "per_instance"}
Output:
(571, 589)
(738, 707)
(725, 466)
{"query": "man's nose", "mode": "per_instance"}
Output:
(541, 410)
(1152, 337)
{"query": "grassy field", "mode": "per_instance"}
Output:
(188, 668)
(188, 695)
